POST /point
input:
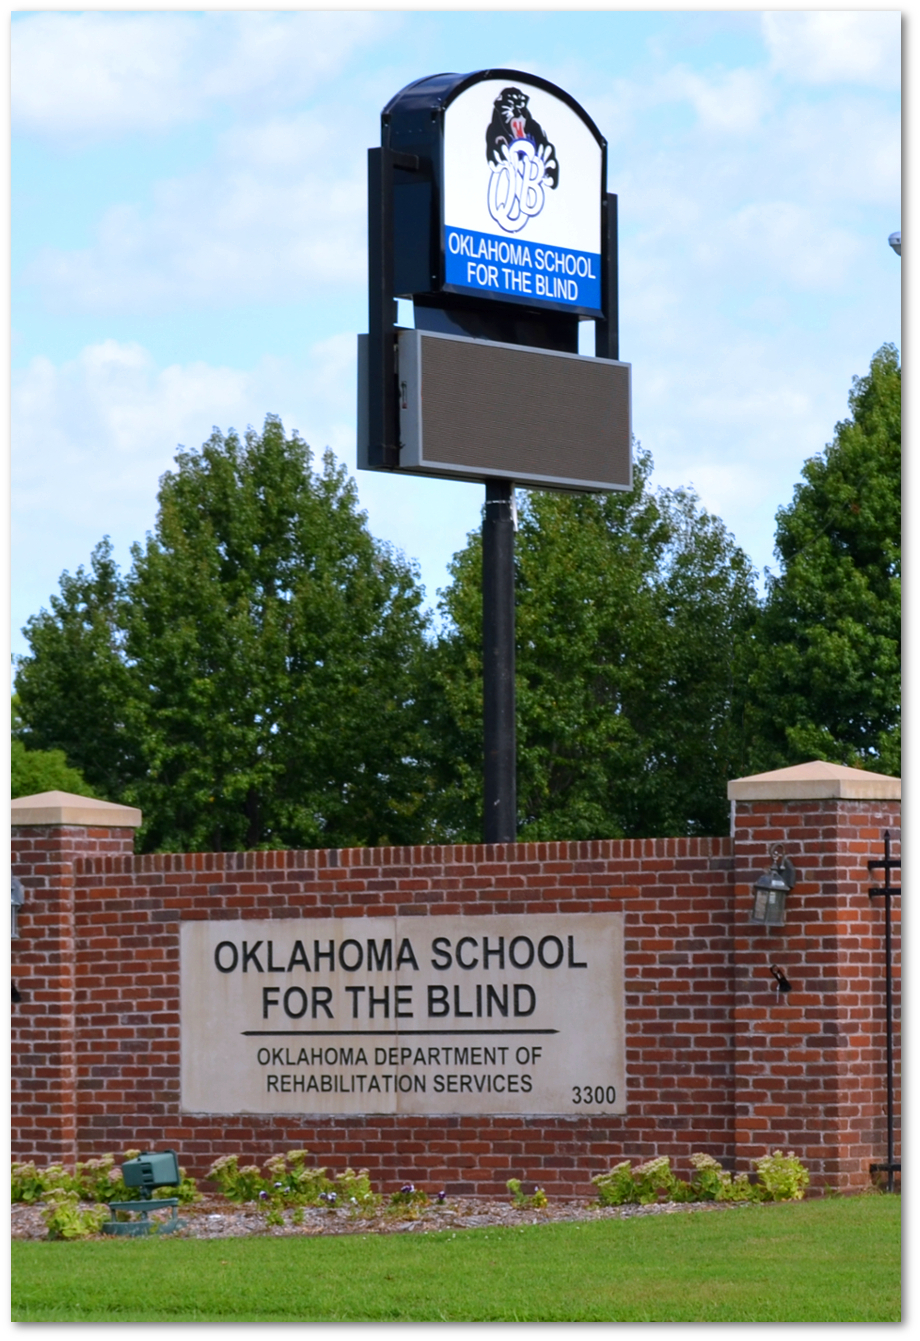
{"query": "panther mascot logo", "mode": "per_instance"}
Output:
(522, 162)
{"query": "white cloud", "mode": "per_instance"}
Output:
(731, 103)
(96, 432)
(92, 436)
(103, 426)
(278, 213)
(846, 150)
(105, 74)
(750, 291)
(273, 216)
(836, 46)
(781, 241)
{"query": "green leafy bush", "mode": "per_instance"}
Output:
(95, 1180)
(655, 1181)
(187, 1191)
(617, 1187)
(781, 1177)
(642, 1185)
(235, 1183)
(356, 1192)
(66, 1219)
(711, 1182)
(29, 1184)
(98, 1180)
(288, 1182)
(292, 1183)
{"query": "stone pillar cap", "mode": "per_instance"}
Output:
(816, 781)
(59, 808)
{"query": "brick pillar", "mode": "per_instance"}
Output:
(50, 833)
(810, 1064)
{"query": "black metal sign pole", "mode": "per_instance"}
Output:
(499, 739)
(499, 703)
(409, 254)
(886, 891)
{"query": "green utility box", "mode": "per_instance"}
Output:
(151, 1169)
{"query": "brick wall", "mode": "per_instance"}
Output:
(713, 1064)
(810, 1065)
(43, 1059)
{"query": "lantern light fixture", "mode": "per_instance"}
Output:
(17, 899)
(770, 890)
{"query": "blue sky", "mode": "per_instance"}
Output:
(188, 244)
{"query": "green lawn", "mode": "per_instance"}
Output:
(818, 1261)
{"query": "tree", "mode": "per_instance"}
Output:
(825, 662)
(33, 771)
(630, 610)
(75, 692)
(255, 674)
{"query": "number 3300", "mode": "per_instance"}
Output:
(594, 1094)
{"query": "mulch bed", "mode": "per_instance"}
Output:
(213, 1217)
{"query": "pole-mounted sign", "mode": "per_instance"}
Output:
(487, 209)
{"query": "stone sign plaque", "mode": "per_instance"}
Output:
(492, 1014)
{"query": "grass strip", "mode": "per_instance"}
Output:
(818, 1261)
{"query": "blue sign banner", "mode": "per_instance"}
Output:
(509, 267)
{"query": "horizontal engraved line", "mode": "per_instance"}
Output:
(380, 1033)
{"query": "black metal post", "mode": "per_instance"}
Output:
(607, 330)
(383, 405)
(886, 891)
(500, 745)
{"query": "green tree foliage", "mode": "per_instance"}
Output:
(251, 682)
(33, 771)
(825, 667)
(75, 691)
(630, 610)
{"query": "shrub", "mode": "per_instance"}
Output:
(356, 1191)
(655, 1180)
(98, 1180)
(235, 1183)
(711, 1182)
(66, 1219)
(642, 1185)
(29, 1184)
(95, 1180)
(781, 1177)
(618, 1187)
(187, 1191)
(292, 1183)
